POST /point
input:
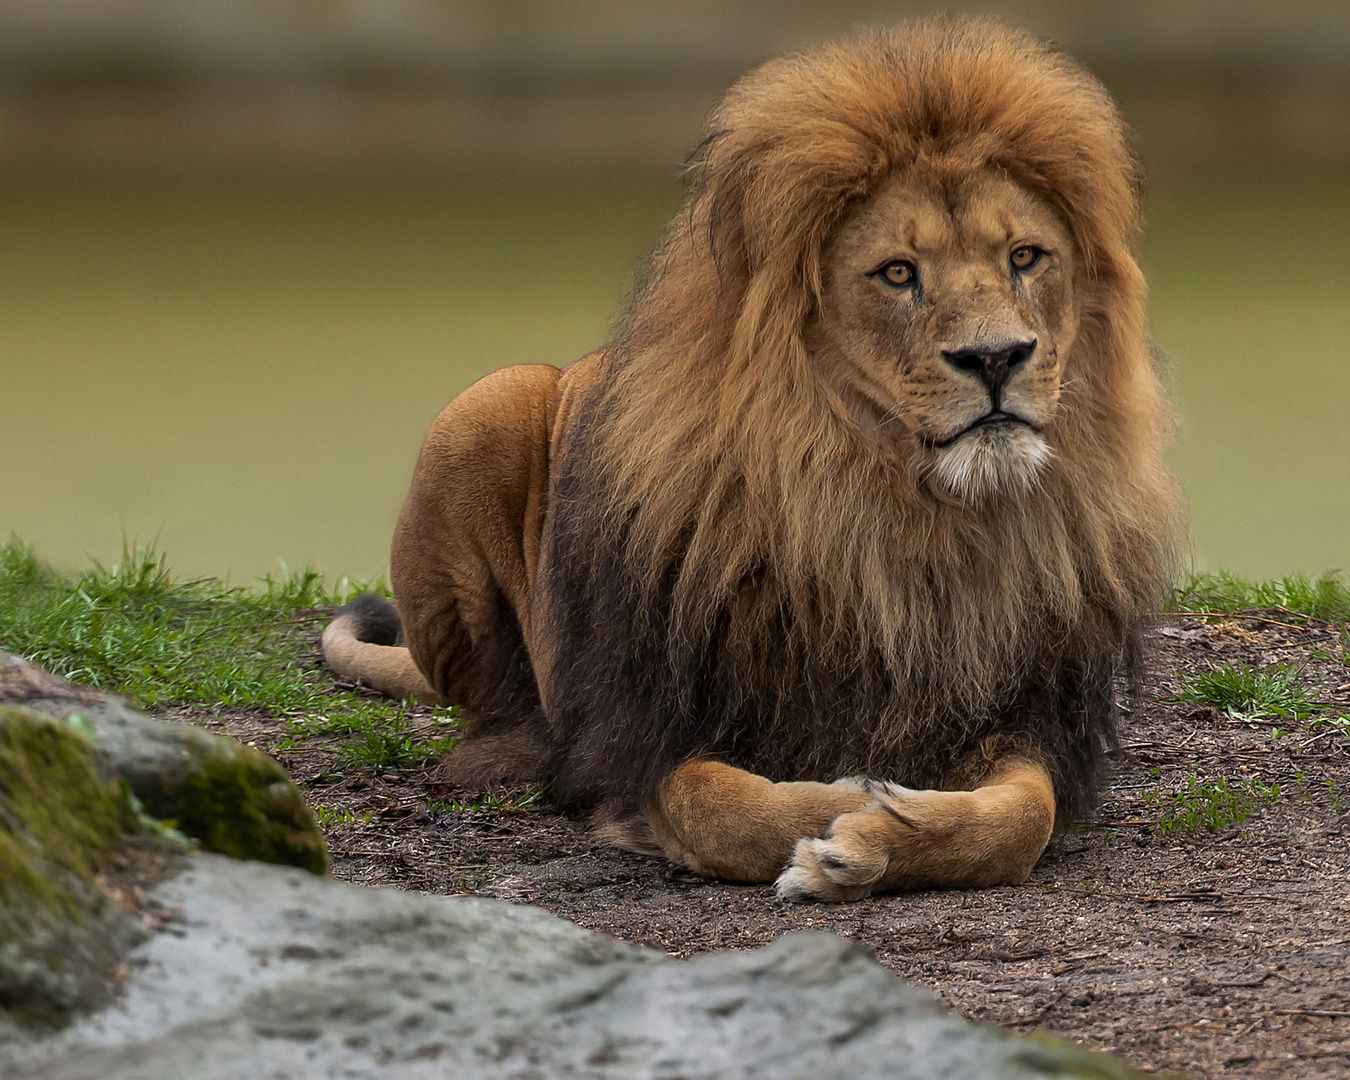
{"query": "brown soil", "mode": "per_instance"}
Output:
(1220, 953)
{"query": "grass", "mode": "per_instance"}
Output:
(491, 803)
(1209, 805)
(1250, 692)
(390, 747)
(134, 629)
(1297, 598)
(329, 817)
(1275, 690)
(1338, 724)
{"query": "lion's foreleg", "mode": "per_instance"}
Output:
(906, 839)
(729, 823)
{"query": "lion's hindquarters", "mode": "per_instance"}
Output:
(465, 555)
(467, 541)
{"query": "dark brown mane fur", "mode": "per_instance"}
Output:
(732, 568)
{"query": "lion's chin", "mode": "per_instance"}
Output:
(992, 459)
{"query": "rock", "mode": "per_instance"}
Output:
(234, 969)
(60, 937)
(272, 972)
(232, 798)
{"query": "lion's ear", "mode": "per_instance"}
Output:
(718, 215)
(778, 195)
(769, 201)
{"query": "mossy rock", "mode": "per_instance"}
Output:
(60, 937)
(238, 802)
(232, 798)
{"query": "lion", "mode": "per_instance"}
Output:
(825, 569)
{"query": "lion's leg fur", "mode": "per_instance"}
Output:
(729, 823)
(873, 837)
(360, 643)
(906, 839)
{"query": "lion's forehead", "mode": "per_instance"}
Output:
(972, 218)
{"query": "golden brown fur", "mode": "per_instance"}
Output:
(770, 529)
(1103, 517)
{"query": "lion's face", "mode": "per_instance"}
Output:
(947, 312)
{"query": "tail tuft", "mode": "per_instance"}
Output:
(377, 620)
(362, 644)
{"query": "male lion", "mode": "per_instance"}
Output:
(868, 484)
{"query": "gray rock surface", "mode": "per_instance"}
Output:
(229, 796)
(243, 970)
(265, 972)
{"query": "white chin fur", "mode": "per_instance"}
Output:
(997, 459)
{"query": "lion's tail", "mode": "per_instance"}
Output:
(361, 644)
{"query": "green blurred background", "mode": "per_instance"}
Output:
(248, 248)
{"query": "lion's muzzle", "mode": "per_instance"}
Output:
(993, 365)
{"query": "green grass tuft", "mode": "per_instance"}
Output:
(391, 748)
(1242, 690)
(330, 817)
(134, 629)
(1297, 597)
(510, 802)
(1207, 805)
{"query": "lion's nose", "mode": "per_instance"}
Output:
(994, 365)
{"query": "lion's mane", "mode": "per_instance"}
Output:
(735, 569)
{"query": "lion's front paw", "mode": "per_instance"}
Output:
(844, 864)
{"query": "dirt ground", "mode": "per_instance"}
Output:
(1219, 953)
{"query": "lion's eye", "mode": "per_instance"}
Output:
(1025, 257)
(898, 272)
